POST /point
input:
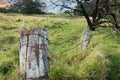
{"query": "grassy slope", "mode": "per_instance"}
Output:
(101, 61)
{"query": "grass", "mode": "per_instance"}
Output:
(100, 61)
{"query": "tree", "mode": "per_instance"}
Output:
(101, 14)
(116, 5)
(29, 6)
(88, 7)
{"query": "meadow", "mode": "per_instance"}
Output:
(101, 61)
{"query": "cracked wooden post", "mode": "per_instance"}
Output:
(34, 64)
(86, 39)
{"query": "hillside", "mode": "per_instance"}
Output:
(101, 61)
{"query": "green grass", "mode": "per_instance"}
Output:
(101, 61)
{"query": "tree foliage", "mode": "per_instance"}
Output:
(29, 6)
(88, 7)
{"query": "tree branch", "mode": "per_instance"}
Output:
(64, 6)
(100, 22)
(95, 10)
(85, 15)
(115, 4)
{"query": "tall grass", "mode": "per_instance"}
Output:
(100, 61)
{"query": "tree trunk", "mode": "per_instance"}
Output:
(34, 64)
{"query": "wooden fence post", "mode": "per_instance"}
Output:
(86, 39)
(33, 53)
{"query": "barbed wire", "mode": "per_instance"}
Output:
(68, 49)
(64, 42)
(9, 76)
(92, 77)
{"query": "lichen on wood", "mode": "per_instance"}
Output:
(34, 62)
(86, 39)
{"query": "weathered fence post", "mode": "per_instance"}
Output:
(34, 64)
(86, 39)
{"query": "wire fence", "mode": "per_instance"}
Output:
(74, 40)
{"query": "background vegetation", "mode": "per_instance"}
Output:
(100, 61)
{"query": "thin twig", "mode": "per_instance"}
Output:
(64, 6)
